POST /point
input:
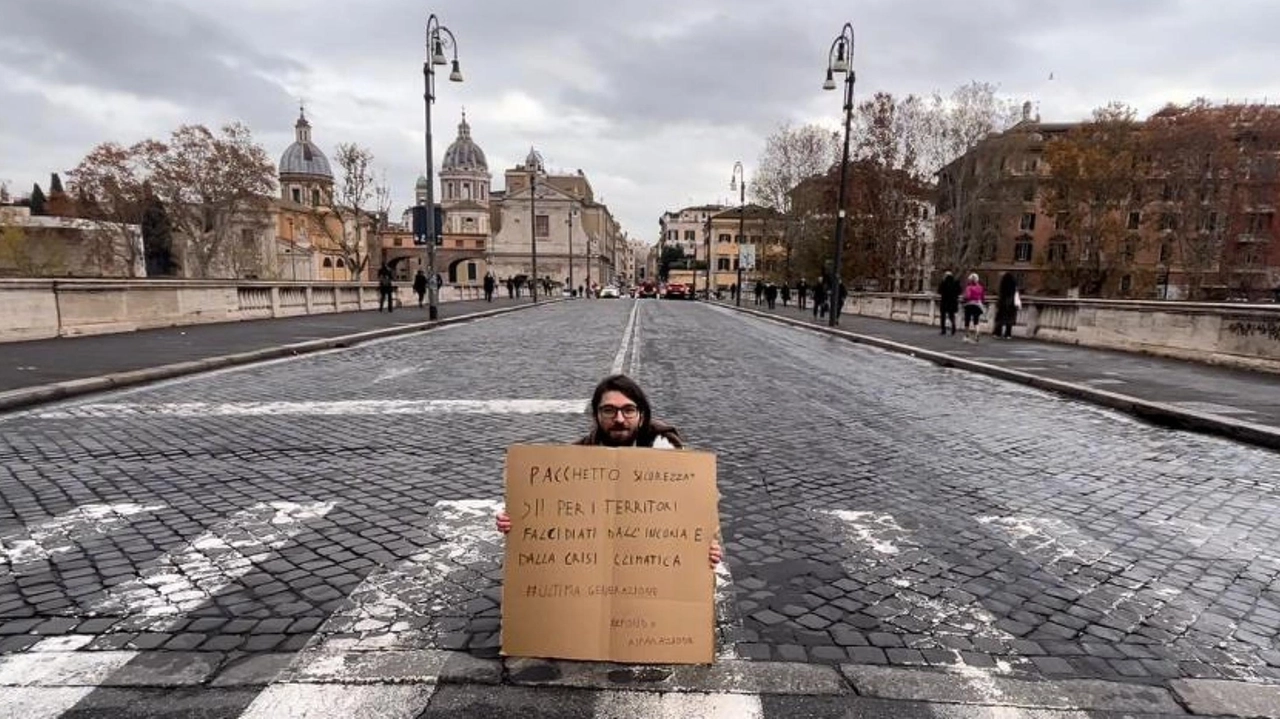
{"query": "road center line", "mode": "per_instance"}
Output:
(619, 360)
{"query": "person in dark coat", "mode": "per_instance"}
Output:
(386, 289)
(1006, 306)
(819, 300)
(420, 286)
(801, 291)
(949, 300)
(786, 294)
(770, 295)
(489, 285)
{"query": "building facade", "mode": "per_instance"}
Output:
(1180, 205)
(686, 229)
(763, 229)
(578, 241)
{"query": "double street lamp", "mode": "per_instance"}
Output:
(738, 181)
(840, 62)
(439, 39)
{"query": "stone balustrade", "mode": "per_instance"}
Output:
(1238, 335)
(42, 308)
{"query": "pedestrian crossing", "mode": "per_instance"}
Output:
(380, 654)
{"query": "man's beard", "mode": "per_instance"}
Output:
(618, 438)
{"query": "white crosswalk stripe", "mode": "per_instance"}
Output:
(181, 581)
(677, 705)
(59, 534)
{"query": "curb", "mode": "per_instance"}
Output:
(45, 393)
(1159, 413)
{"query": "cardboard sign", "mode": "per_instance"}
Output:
(607, 554)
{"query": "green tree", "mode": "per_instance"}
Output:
(55, 184)
(671, 254)
(37, 200)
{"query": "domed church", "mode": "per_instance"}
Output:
(305, 177)
(464, 195)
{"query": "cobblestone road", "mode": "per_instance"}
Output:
(876, 509)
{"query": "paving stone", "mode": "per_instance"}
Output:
(867, 655)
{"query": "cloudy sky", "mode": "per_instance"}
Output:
(653, 99)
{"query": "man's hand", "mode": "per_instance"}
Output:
(715, 554)
(504, 521)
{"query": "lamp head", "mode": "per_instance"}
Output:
(456, 75)
(830, 84)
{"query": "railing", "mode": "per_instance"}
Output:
(38, 309)
(1239, 335)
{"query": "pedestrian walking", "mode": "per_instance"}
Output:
(770, 294)
(386, 288)
(420, 286)
(949, 300)
(975, 299)
(1008, 302)
(786, 294)
(801, 290)
(819, 300)
(489, 285)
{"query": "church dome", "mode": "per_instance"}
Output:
(464, 153)
(303, 157)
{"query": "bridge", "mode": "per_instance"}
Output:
(293, 516)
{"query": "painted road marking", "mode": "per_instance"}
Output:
(58, 535)
(181, 581)
(620, 359)
(677, 705)
(349, 407)
(394, 607)
(359, 701)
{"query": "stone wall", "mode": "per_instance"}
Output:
(38, 309)
(1238, 335)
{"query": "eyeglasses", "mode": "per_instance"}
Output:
(609, 412)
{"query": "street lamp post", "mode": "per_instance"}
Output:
(439, 38)
(536, 160)
(572, 287)
(738, 181)
(840, 60)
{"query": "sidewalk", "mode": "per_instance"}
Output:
(1236, 403)
(44, 370)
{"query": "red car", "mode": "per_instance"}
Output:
(678, 291)
(647, 289)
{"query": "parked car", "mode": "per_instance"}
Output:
(678, 291)
(647, 289)
(609, 292)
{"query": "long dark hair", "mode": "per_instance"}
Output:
(627, 386)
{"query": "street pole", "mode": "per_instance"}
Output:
(740, 178)
(840, 60)
(533, 220)
(438, 38)
(572, 287)
(707, 239)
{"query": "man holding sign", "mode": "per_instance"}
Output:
(602, 564)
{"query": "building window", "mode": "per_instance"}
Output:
(1126, 284)
(297, 195)
(1208, 221)
(1168, 221)
(471, 272)
(399, 242)
(1028, 223)
(328, 263)
(690, 235)
(1058, 250)
(736, 266)
(1135, 220)
(725, 239)
(1062, 221)
(1130, 250)
(542, 226)
(466, 190)
(315, 198)
(1022, 249)
(1258, 222)
(722, 263)
(1029, 193)
(1166, 250)
(1166, 192)
(737, 239)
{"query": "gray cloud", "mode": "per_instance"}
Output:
(653, 99)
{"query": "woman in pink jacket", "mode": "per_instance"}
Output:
(975, 298)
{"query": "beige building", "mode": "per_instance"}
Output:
(43, 246)
(763, 229)
(576, 236)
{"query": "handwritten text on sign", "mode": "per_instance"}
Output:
(607, 555)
